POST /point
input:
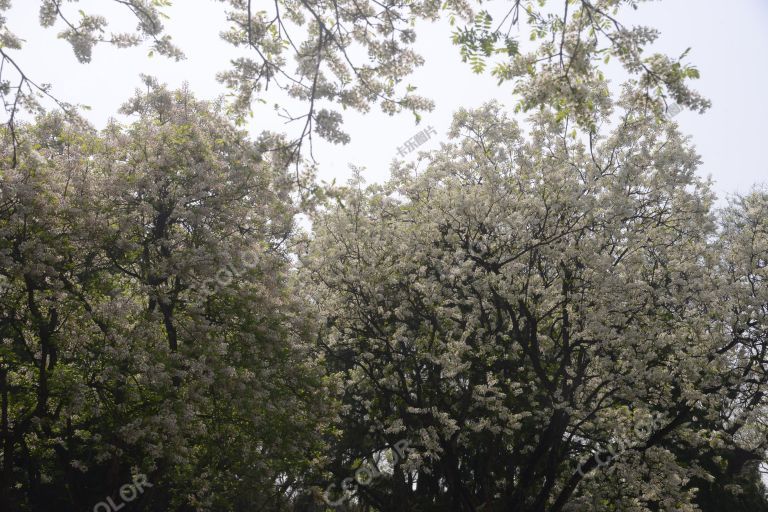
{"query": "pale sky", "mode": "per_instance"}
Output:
(729, 45)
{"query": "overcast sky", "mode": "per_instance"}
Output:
(729, 44)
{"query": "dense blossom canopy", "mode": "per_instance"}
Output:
(148, 325)
(544, 319)
(541, 316)
(327, 56)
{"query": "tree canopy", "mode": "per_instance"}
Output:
(549, 313)
(148, 320)
(333, 55)
(544, 319)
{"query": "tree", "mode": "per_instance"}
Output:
(736, 463)
(540, 317)
(334, 55)
(555, 321)
(19, 91)
(148, 321)
(744, 257)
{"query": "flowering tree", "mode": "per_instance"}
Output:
(333, 55)
(542, 317)
(148, 323)
(554, 320)
(744, 240)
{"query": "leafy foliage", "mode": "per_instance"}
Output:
(115, 362)
(551, 320)
(335, 55)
